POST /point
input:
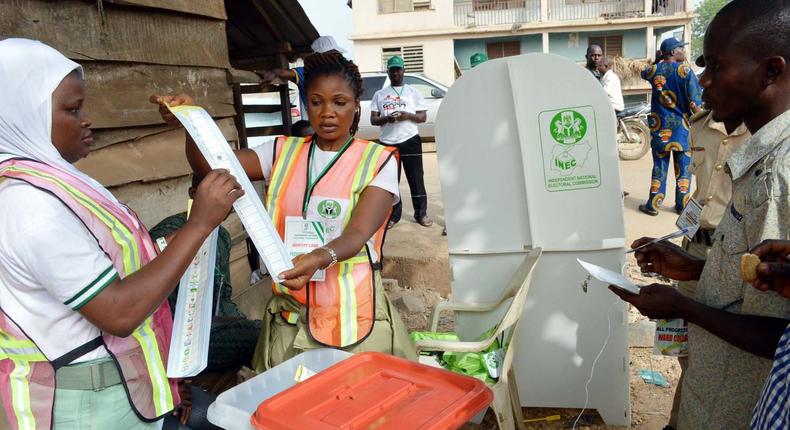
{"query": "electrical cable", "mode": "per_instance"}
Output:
(592, 369)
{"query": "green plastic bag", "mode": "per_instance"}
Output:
(481, 365)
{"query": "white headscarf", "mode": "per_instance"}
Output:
(30, 71)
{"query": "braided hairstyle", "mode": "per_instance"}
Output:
(334, 63)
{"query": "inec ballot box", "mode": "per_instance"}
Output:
(528, 158)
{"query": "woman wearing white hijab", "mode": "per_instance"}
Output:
(84, 327)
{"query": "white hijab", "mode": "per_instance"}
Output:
(30, 71)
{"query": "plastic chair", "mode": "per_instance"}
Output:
(506, 404)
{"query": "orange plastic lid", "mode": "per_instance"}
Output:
(372, 390)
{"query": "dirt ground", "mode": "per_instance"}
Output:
(650, 404)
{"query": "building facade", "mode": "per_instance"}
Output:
(438, 37)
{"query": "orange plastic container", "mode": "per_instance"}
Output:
(376, 391)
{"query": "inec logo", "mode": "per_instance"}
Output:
(329, 209)
(568, 127)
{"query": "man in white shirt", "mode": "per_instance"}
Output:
(397, 109)
(611, 84)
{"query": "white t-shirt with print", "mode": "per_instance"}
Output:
(393, 99)
(50, 267)
(386, 179)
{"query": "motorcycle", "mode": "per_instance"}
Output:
(633, 134)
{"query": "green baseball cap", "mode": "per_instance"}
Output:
(395, 62)
(477, 58)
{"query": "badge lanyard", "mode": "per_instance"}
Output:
(399, 94)
(308, 192)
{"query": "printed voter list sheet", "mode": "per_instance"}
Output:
(253, 215)
(192, 318)
(609, 277)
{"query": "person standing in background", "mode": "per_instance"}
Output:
(594, 56)
(397, 109)
(676, 95)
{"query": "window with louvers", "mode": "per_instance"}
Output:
(503, 49)
(612, 46)
(394, 6)
(412, 57)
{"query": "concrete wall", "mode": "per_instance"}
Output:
(437, 55)
(634, 43)
(368, 21)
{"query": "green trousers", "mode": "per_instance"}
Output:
(96, 410)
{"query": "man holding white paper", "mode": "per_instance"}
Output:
(734, 329)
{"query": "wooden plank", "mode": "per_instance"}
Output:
(261, 50)
(117, 94)
(155, 201)
(103, 138)
(209, 8)
(264, 131)
(236, 76)
(79, 31)
(152, 158)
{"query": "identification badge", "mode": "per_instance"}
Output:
(690, 218)
(303, 236)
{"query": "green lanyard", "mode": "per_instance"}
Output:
(310, 184)
(400, 94)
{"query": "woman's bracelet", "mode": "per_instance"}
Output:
(332, 255)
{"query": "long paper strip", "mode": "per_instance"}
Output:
(192, 320)
(249, 207)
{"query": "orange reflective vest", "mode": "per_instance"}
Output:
(27, 376)
(340, 309)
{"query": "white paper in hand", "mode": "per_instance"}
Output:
(609, 277)
(253, 215)
(188, 354)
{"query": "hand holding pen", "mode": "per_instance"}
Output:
(666, 259)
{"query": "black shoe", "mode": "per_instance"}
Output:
(444, 231)
(626, 193)
(647, 210)
(391, 224)
(425, 221)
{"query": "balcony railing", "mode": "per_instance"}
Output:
(496, 12)
(569, 10)
(470, 13)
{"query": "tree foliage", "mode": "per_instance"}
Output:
(706, 10)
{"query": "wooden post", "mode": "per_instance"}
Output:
(285, 99)
(241, 124)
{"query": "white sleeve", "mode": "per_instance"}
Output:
(419, 101)
(617, 93)
(387, 179)
(265, 154)
(54, 249)
(374, 102)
